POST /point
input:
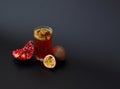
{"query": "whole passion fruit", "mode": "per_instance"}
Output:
(59, 53)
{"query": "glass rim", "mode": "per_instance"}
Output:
(48, 27)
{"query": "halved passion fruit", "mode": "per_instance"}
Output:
(49, 61)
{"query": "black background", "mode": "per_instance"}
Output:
(89, 31)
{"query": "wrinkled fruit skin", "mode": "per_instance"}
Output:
(59, 53)
(24, 53)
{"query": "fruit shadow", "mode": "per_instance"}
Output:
(60, 65)
(34, 63)
(24, 64)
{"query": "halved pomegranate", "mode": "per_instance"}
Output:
(24, 53)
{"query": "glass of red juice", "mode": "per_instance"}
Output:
(42, 41)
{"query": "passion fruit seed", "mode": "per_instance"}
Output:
(49, 61)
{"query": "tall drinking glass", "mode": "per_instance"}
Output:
(42, 41)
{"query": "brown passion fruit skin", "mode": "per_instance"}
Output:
(59, 53)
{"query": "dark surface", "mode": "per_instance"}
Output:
(88, 29)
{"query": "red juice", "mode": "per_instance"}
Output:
(43, 42)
